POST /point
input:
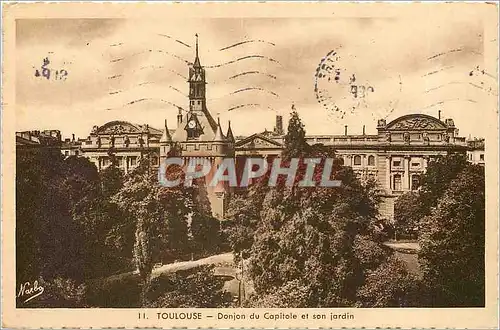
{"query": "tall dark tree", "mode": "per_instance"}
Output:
(408, 210)
(51, 193)
(411, 207)
(160, 215)
(243, 218)
(440, 172)
(452, 243)
(295, 138)
(205, 228)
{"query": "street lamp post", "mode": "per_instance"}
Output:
(241, 286)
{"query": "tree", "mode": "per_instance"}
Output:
(312, 245)
(293, 294)
(452, 243)
(440, 172)
(191, 288)
(408, 210)
(411, 207)
(205, 229)
(242, 218)
(390, 285)
(295, 141)
(369, 254)
(51, 193)
(139, 199)
(306, 235)
(160, 215)
(112, 178)
(300, 239)
(143, 253)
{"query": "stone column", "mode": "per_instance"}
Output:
(388, 172)
(406, 180)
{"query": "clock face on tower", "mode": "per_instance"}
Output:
(191, 124)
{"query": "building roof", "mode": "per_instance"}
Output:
(118, 127)
(416, 122)
(166, 137)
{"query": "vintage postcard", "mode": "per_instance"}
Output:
(250, 165)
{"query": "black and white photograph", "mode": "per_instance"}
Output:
(272, 162)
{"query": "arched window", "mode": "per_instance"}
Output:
(357, 160)
(396, 182)
(371, 161)
(415, 182)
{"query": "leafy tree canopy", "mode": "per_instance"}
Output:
(452, 242)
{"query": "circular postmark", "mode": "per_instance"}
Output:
(348, 86)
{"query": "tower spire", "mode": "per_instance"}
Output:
(219, 136)
(196, 44)
(166, 134)
(229, 134)
(197, 59)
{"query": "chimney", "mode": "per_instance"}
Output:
(279, 125)
(363, 129)
(439, 114)
(345, 130)
(73, 137)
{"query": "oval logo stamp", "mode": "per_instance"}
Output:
(343, 91)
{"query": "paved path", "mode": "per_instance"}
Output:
(403, 245)
(408, 253)
(225, 258)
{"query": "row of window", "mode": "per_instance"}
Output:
(105, 161)
(397, 163)
(397, 182)
(481, 157)
(357, 160)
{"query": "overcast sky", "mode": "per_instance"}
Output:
(135, 70)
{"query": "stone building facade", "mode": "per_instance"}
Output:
(475, 151)
(395, 157)
(28, 140)
(126, 141)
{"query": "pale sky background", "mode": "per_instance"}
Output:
(415, 66)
